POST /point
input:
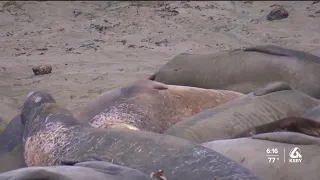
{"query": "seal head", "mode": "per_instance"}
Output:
(34, 100)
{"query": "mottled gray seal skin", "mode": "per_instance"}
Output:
(52, 136)
(313, 114)
(92, 170)
(244, 70)
(11, 146)
(150, 106)
(232, 118)
(251, 153)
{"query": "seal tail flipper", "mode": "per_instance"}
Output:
(291, 124)
(288, 137)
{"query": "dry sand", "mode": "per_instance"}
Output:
(96, 46)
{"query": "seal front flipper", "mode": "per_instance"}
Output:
(269, 49)
(154, 85)
(159, 86)
(272, 87)
(291, 124)
(148, 84)
(288, 137)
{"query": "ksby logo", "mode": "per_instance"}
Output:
(295, 155)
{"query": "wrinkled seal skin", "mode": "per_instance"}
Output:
(11, 146)
(313, 114)
(151, 106)
(52, 136)
(92, 170)
(244, 70)
(251, 153)
(237, 116)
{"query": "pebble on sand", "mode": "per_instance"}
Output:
(277, 14)
(42, 69)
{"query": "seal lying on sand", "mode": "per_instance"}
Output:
(288, 164)
(52, 136)
(151, 106)
(272, 102)
(92, 170)
(11, 147)
(244, 70)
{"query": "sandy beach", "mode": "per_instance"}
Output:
(96, 46)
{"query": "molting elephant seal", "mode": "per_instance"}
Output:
(150, 106)
(266, 104)
(244, 70)
(52, 136)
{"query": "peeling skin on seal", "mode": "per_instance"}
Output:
(55, 138)
(158, 110)
(41, 148)
(118, 114)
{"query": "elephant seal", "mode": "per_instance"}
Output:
(244, 70)
(150, 106)
(52, 136)
(313, 114)
(95, 170)
(11, 146)
(266, 104)
(273, 155)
